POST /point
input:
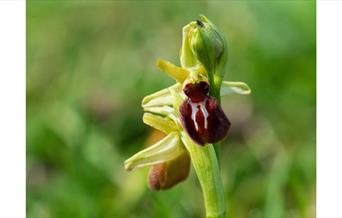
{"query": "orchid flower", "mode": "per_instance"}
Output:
(190, 115)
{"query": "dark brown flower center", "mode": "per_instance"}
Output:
(196, 91)
(201, 115)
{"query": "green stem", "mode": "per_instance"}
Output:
(207, 169)
(215, 87)
(217, 148)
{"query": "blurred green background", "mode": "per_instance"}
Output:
(90, 63)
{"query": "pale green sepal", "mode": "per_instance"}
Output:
(161, 110)
(160, 98)
(187, 58)
(166, 149)
(163, 124)
(177, 99)
(229, 87)
(165, 111)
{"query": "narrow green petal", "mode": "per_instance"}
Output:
(166, 149)
(177, 73)
(161, 123)
(229, 87)
(160, 98)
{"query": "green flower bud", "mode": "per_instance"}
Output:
(209, 47)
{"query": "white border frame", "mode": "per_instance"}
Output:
(12, 106)
(12, 114)
(329, 109)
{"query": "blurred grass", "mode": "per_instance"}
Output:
(89, 64)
